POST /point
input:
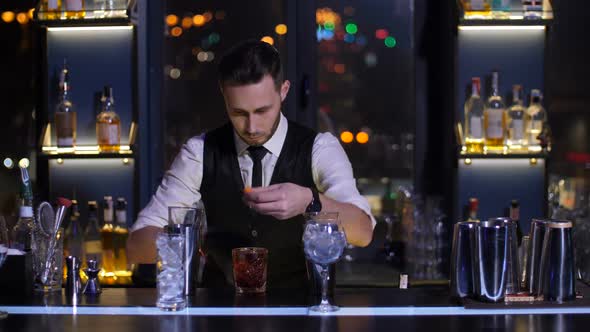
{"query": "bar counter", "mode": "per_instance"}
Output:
(362, 309)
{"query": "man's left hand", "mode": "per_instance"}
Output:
(282, 201)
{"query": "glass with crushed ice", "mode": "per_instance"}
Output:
(170, 244)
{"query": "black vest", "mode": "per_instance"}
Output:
(231, 224)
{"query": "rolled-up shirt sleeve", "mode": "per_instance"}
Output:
(180, 186)
(332, 173)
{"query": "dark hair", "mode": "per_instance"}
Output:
(248, 62)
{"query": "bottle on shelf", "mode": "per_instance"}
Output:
(74, 9)
(22, 233)
(516, 138)
(474, 109)
(476, 9)
(535, 119)
(473, 206)
(501, 9)
(92, 243)
(495, 118)
(532, 9)
(74, 237)
(65, 114)
(106, 236)
(120, 235)
(50, 9)
(515, 216)
(108, 124)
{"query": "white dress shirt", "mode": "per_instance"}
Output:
(330, 167)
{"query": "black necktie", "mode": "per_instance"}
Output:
(257, 153)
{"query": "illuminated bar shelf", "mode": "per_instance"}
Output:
(51, 151)
(541, 154)
(91, 15)
(85, 151)
(513, 17)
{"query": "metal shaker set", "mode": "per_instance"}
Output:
(485, 263)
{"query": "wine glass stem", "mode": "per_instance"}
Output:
(325, 276)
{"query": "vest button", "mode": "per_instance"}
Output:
(254, 233)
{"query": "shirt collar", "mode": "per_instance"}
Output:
(274, 144)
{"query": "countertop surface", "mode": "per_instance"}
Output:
(362, 309)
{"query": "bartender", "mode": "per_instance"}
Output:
(256, 176)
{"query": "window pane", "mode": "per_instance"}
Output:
(197, 33)
(366, 84)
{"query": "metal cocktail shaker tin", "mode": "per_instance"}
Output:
(462, 272)
(558, 281)
(490, 260)
(513, 272)
(533, 268)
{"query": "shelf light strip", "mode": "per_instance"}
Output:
(287, 311)
(500, 27)
(92, 149)
(95, 28)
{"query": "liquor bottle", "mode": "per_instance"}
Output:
(92, 243)
(535, 118)
(532, 9)
(495, 118)
(50, 9)
(65, 115)
(74, 237)
(473, 206)
(22, 233)
(74, 9)
(474, 108)
(515, 216)
(106, 236)
(476, 9)
(120, 235)
(501, 9)
(108, 124)
(516, 140)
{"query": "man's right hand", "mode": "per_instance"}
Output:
(141, 245)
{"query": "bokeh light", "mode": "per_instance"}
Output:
(208, 16)
(176, 31)
(171, 20)
(339, 68)
(268, 40)
(390, 42)
(351, 28)
(24, 163)
(8, 163)
(198, 20)
(214, 38)
(346, 137)
(362, 137)
(8, 17)
(187, 22)
(30, 13)
(175, 73)
(281, 29)
(381, 33)
(22, 18)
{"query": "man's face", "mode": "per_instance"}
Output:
(254, 109)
